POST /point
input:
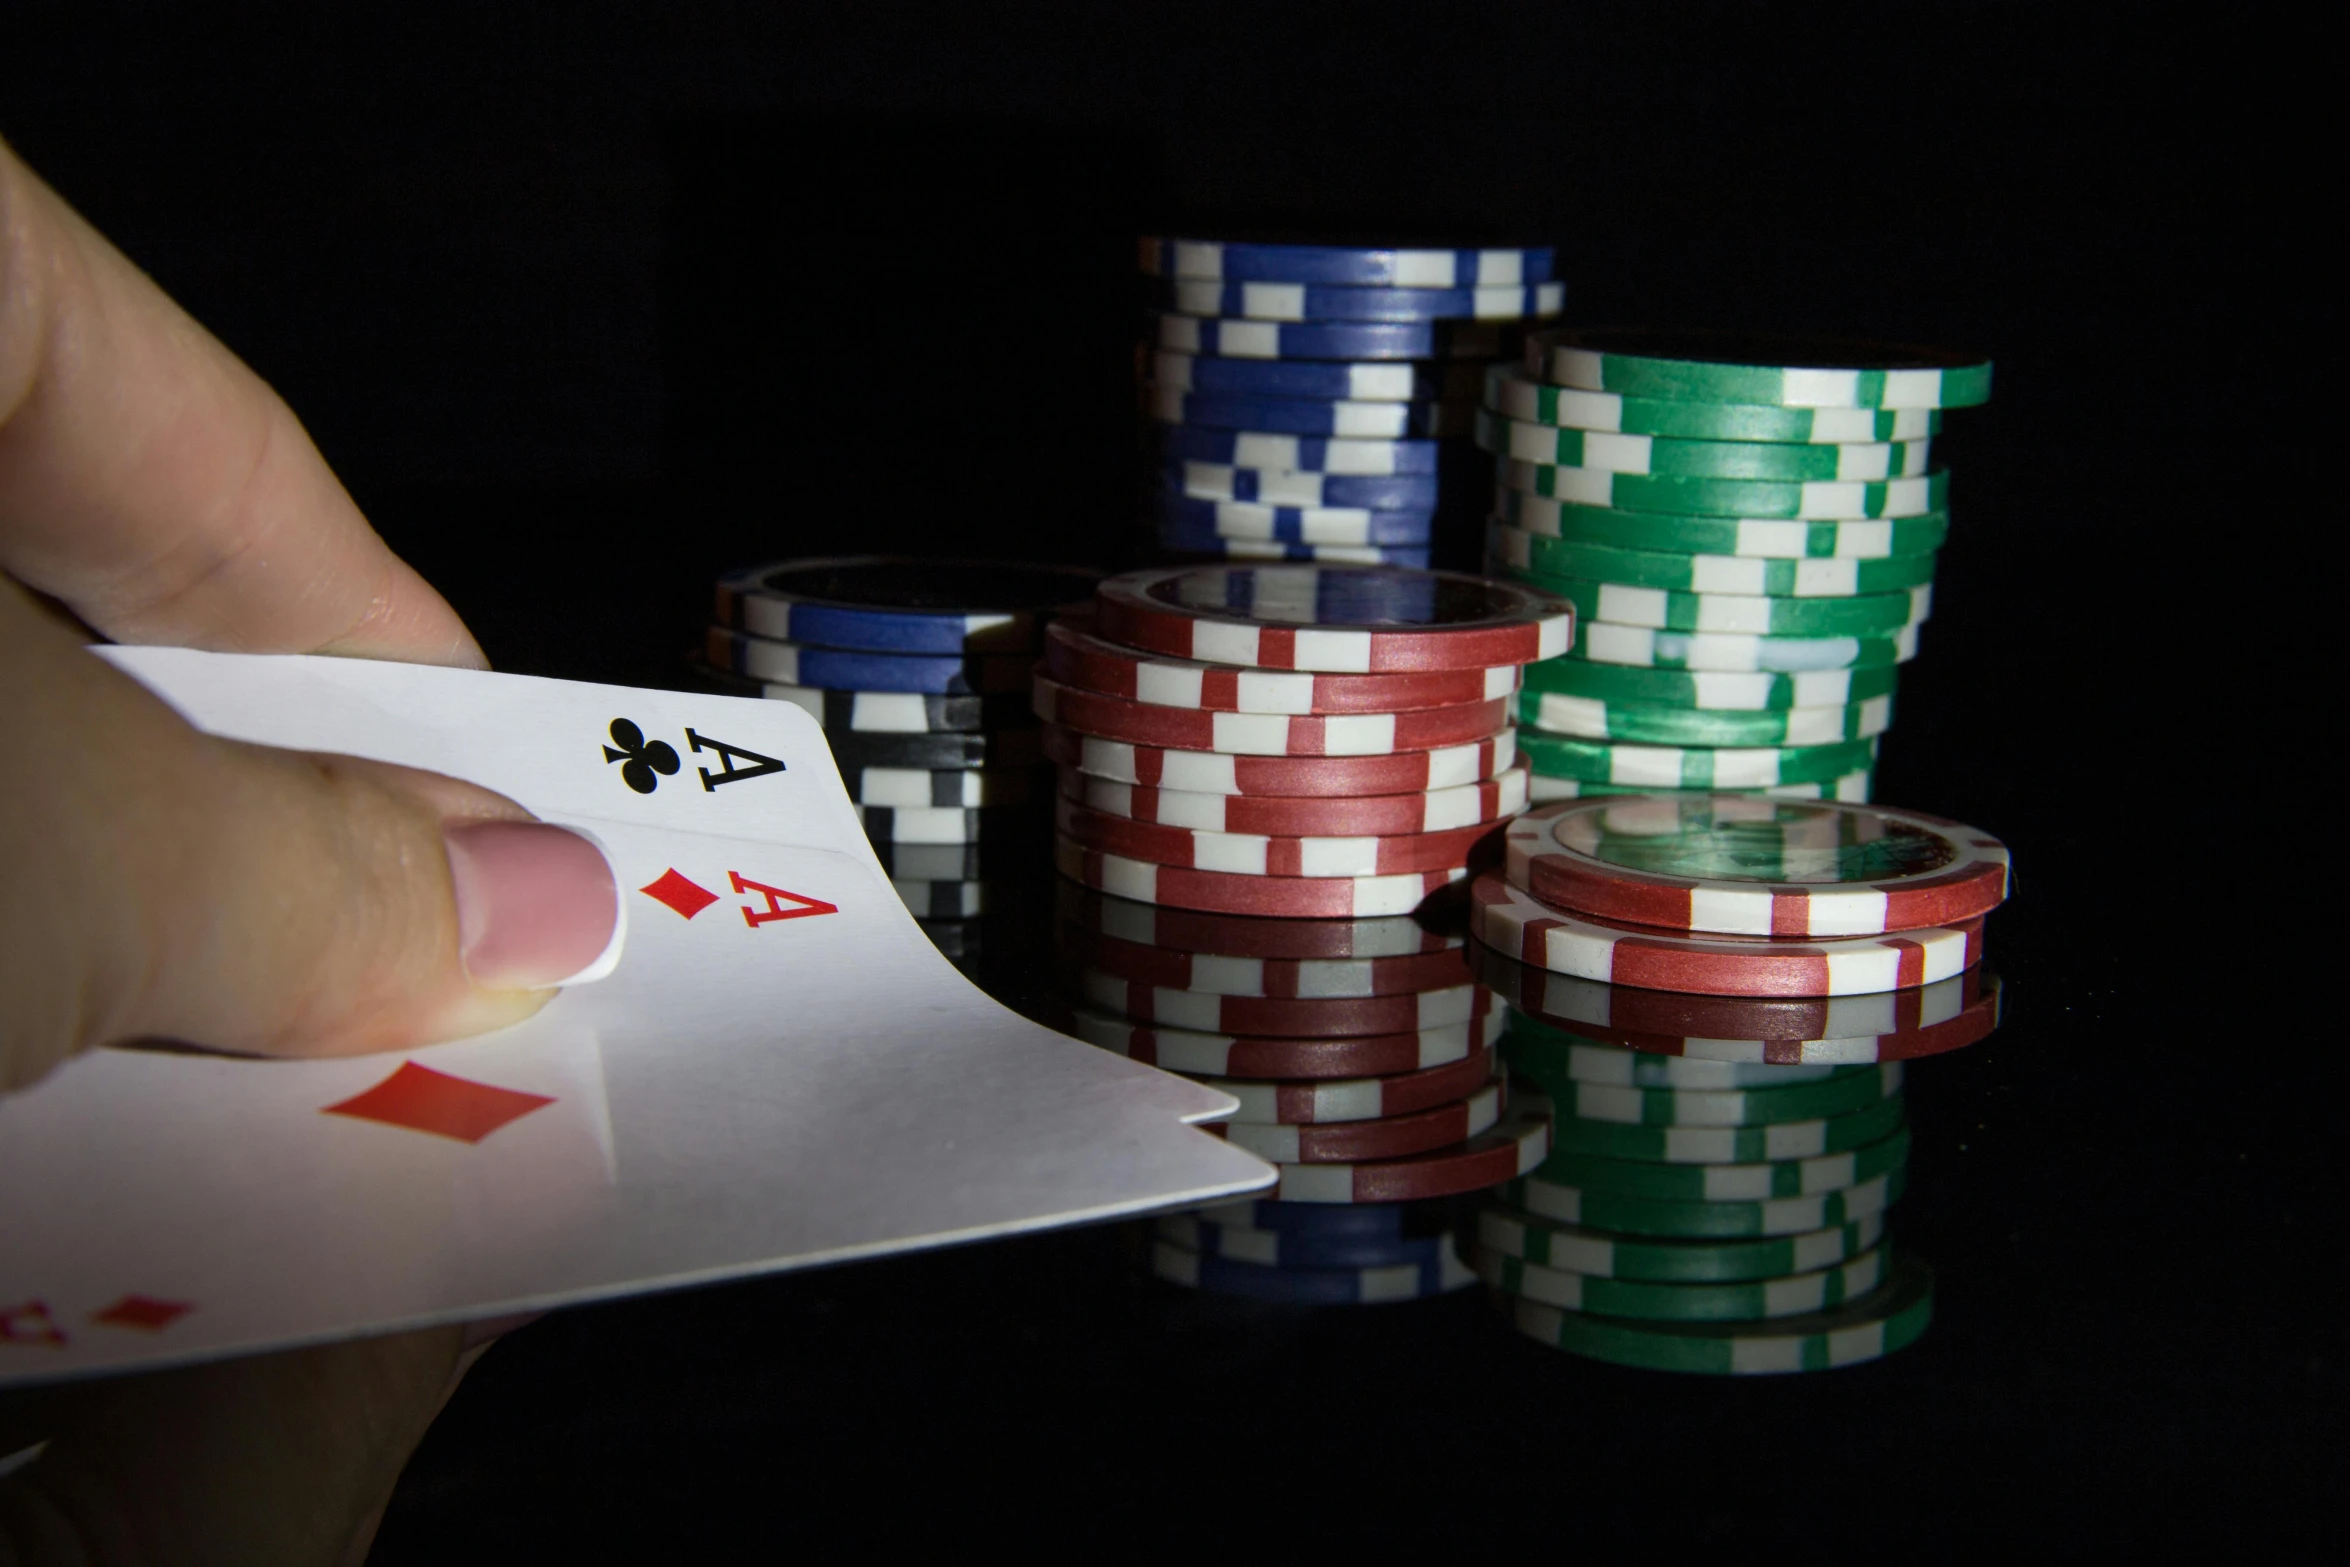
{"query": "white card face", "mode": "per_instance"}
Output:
(781, 1071)
(734, 766)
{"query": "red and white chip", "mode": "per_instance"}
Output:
(1225, 1055)
(1533, 932)
(1287, 897)
(1190, 931)
(1392, 1137)
(1305, 816)
(1256, 854)
(1886, 1025)
(1284, 1016)
(1209, 772)
(1302, 978)
(1308, 1102)
(1750, 866)
(1076, 657)
(1266, 734)
(1510, 1150)
(1336, 619)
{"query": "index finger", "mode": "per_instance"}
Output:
(157, 486)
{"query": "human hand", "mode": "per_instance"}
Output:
(164, 884)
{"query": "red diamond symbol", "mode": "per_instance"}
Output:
(686, 897)
(29, 1322)
(423, 1100)
(143, 1312)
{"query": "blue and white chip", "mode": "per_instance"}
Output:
(1209, 481)
(1304, 453)
(1326, 554)
(898, 604)
(1346, 340)
(1438, 1275)
(1277, 1249)
(1185, 518)
(1361, 381)
(850, 669)
(1310, 416)
(1313, 1218)
(1299, 302)
(1350, 265)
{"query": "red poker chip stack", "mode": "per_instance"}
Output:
(1272, 780)
(1681, 975)
(1301, 742)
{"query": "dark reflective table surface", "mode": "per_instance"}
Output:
(586, 313)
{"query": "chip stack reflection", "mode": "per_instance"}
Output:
(1274, 782)
(1729, 1109)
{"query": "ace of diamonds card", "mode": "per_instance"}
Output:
(778, 1070)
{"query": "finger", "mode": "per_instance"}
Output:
(157, 486)
(167, 884)
(285, 1458)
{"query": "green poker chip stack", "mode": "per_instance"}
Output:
(1712, 1216)
(1747, 529)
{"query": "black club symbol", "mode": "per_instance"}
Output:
(640, 759)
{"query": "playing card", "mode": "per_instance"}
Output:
(734, 766)
(779, 1071)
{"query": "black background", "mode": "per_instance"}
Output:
(587, 302)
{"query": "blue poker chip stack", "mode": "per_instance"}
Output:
(1316, 402)
(919, 672)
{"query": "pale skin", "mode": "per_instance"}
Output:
(166, 885)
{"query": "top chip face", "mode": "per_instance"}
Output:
(1743, 865)
(897, 604)
(1788, 372)
(1337, 619)
(1391, 266)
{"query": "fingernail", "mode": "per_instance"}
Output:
(536, 905)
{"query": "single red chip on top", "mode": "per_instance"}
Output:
(1340, 619)
(1075, 657)
(1745, 865)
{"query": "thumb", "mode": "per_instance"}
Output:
(165, 884)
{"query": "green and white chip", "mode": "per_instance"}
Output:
(1753, 1301)
(1888, 1318)
(1622, 1214)
(1854, 787)
(1597, 1254)
(1789, 372)
(1732, 691)
(1826, 499)
(1656, 609)
(1687, 767)
(1648, 724)
(1769, 538)
(1772, 1144)
(1682, 573)
(1544, 1060)
(1600, 451)
(1728, 1183)
(1510, 391)
(1606, 642)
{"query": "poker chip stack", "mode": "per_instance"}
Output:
(1313, 402)
(919, 672)
(1724, 1151)
(1266, 773)
(1747, 529)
